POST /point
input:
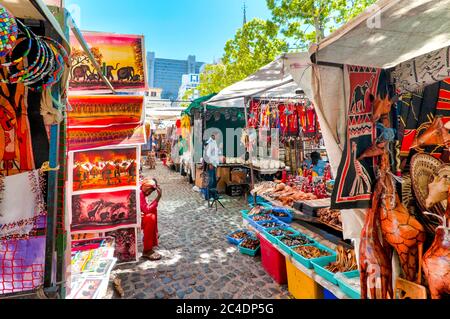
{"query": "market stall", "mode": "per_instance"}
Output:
(273, 101)
(226, 126)
(383, 111)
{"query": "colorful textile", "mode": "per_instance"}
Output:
(103, 169)
(416, 112)
(19, 214)
(415, 75)
(253, 114)
(16, 153)
(353, 188)
(89, 138)
(105, 110)
(95, 212)
(21, 264)
(126, 244)
(123, 56)
(149, 223)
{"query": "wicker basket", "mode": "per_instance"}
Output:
(423, 169)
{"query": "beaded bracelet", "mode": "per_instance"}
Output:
(34, 66)
(38, 70)
(49, 63)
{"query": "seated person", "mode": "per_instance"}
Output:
(318, 164)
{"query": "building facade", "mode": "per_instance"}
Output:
(168, 74)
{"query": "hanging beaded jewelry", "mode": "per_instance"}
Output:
(8, 31)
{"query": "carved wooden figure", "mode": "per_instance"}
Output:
(436, 261)
(376, 266)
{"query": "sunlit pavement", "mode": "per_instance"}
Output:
(198, 262)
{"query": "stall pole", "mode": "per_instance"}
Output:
(252, 176)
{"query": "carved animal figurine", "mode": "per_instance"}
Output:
(436, 261)
(382, 106)
(437, 191)
(400, 229)
(406, 235)
(374, 151)
(376, 266)
(435, 134)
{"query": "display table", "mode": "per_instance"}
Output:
(299, 214)
(334, 289)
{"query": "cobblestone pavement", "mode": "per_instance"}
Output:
(198, 262)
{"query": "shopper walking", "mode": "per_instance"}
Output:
(149, 213)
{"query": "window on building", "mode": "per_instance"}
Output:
(153, 94)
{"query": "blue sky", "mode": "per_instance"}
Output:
(172, 28)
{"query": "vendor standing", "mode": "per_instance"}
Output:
(149, 213)
(316, 163)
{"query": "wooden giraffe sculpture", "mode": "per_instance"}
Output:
(362, 183)
(376, 266)
(436, 261)
(400, 229)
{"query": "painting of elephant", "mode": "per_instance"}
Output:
(125, 73)
(81, 72)
(109, 70)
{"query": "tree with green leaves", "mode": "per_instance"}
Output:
(310, 21)
(254, 45)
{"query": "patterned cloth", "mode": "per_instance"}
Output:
(21, 264)
(19, 214)
(354, 180)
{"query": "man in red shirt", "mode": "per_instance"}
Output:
(150, 218)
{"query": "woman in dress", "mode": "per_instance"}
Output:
(149, 213)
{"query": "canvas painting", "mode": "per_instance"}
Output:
(122, 58)
(93, 137)
(105, 110)
(126, 244)
(103, 211)
(103, 169)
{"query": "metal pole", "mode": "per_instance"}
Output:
(252, 176)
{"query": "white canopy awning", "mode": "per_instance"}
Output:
(269, 82)
(388, 33)
(164, 114)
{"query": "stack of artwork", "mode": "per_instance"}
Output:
(104, 168)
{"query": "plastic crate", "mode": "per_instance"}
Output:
(287, 220)
(249, 252)
(348, 290)
(244, 213)
(300, 285)
(319, 267)
(307, 262)
(328, 295)
(274, 239)
(234, 241)
(257, 224)
(273, 261)
(274, 221)
(287, 249)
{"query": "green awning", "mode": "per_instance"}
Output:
(197, 104)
